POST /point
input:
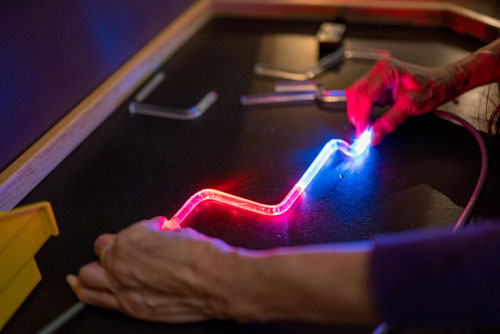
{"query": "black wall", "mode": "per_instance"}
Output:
(54, 52)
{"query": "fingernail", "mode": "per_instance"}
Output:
(71, 280)
(158, 221)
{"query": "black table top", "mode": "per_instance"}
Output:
(134, 166)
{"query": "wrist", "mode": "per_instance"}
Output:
(245, 286)
(479, 68)
(313, 284)
(216, 270)
(457, 81)
(236, 285)
(248, 286)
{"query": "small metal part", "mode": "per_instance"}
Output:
(150, 87)
(325, 97)
(330, 97)
(278, 98)
(175, 113)
(331, 34)
(297, 86)
(322, 65)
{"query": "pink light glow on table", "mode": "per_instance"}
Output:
(357, 148)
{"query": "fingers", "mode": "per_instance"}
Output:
(358, 110)
(388, 122)
(94, 276)
(90, 296)
(365, 92)
(102, 243)
(154, 223)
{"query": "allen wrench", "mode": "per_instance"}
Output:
(294, 92)
(175, 113)
(322, 65)
(150, 86)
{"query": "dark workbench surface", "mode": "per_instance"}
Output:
(137, 166)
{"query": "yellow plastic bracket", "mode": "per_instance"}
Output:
(22, 232)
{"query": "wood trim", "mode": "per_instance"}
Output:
(445, 14)
(27, 171)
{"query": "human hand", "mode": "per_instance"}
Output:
(184, 276)
(412, 90)
(156, 275)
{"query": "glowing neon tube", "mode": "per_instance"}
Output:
(355, 149)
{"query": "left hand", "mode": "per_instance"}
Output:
(156, 275)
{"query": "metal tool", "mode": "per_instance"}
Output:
(322, 65)
(57, 323)
(149, 87)
(297, 86)
(292, 92)
(175, 113)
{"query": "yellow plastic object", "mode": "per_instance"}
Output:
(22, 232)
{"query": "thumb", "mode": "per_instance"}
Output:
(359, 107)
(387, 123)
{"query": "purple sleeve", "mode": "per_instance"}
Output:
(434, 278)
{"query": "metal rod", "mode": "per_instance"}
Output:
(291, 97)
(150, 87)
(322, 65)
(297, 86)
(175, 113)
(63, 318)
(278, 98)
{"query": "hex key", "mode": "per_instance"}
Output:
(150, 86)
(174, 113)
(327, 97)
(290, 92)
(322, 65)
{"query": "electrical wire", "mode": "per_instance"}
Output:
(469, 207)
(462, 221)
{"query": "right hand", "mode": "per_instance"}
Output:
(411, 89)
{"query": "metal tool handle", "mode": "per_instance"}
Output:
(278, 98)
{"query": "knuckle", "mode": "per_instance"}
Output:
(99, 239)
(133, 303)
(120, 271)
(390, 125)
(136, 234)
(83, 271)
(124, 241)
(383, 64)
(190, 232)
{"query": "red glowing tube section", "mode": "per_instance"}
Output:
(358, 147)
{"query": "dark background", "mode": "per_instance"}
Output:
(53, 53)
(134, 167)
